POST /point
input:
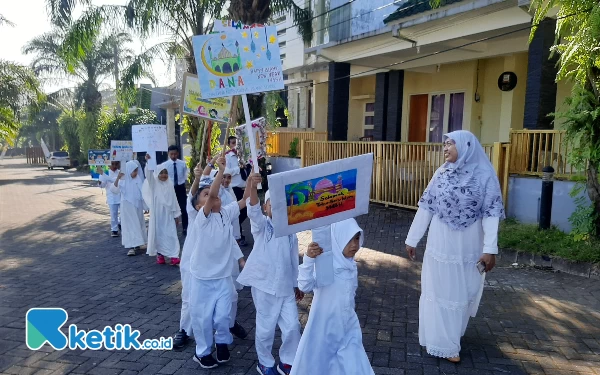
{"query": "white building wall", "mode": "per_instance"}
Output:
(290, 42)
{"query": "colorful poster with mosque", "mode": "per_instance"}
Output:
(237, 62)
(320, 195)
(215, 109)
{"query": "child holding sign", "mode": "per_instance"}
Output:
(181, 337)
(160, 197)
(210, 268)
(272, 272)
(129, 184)
(332, 339)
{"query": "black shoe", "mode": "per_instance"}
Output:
(180, 339)
(238, 331)
(206, 362)
(223, 353)
(114, 233)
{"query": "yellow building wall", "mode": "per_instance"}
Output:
(320, 92)
(459, 77)
(563, 91)
(362, 91)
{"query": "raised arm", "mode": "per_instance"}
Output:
(257, 219)
(307, 281)
(213, 193)
(196, 183)
(210, 166)
(253, 180)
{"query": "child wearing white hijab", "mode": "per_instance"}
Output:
(332, 340)
(160, 197)
(210, 266)
(133, 226)
(272, 272)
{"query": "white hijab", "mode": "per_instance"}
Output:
(131, 188)
(163, 192)
(342, 233)
(462, 192)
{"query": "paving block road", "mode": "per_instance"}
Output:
(56, 251)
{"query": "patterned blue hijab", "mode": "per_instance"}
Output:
(462, 192)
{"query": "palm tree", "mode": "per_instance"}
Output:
(179, 19)
(88, 72)
(297, 191)
(4, 21)
(19, 89)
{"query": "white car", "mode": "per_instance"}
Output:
(59, 159)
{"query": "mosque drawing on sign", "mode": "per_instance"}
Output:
(225, 62)
(324, 186)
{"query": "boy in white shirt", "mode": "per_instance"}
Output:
(185, 325)
(113, 199)
(210, 283)
(272, 272)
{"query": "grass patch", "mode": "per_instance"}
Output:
(526, 237)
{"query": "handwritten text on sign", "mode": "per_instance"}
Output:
(149, 138)
(238, 62)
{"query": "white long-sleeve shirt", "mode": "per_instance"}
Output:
(182, 171)
(232, 163)
(272, 266)
(106, 180)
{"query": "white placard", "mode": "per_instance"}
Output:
(149, 139)
(320, 195)
(121, 151)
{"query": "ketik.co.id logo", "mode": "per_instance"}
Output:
(43, 326)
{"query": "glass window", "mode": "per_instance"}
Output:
(457, 104)
(369, 120)
(436, 118)
(370, 107)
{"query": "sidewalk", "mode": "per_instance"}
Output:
(56, 251)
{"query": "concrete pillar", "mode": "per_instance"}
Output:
(394, 105)
(381, 106)
(171, 125)
(338, 101)
(540, 98)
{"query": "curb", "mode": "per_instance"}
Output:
(584, 269)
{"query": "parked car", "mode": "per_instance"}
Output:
(59, 159)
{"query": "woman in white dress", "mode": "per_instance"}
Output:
(332, 340)
(133, 226)
(160, 197)
(462, 206)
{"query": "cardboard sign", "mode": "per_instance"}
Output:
(243, 141)
(320, 195)
(121, 151)
(215, 109)
(149, 139)
(237, 62)
(98, 158)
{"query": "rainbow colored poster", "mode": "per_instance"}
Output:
(237, 62)
(215, 109)
(320, 195)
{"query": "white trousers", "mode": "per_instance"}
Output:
(272, 311)
(185, 321)
(114, 217)
(210, 308)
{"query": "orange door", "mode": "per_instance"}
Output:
(417, 122)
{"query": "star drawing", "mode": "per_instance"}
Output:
(249, 64)
(272, 39)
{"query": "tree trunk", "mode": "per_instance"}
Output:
(593, 188)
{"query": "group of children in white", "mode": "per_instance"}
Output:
(211, 278)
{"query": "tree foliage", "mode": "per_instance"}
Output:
(19, 89)
(578, 48)
(117, 126)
